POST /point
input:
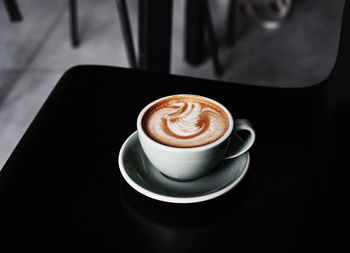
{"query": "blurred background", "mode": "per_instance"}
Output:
(275, 43)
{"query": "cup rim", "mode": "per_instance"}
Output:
(187, 149)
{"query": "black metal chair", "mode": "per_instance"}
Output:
(155, 24)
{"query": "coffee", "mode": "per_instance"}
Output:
(185, 121)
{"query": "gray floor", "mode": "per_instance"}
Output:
(36, 52)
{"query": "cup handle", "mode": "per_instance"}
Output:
(238, 147)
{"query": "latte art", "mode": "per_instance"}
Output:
(185, 121)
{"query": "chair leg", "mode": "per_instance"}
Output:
(127, 32)
(74, 32)
(13, 10)
(155, 25)
(194, 51)
(232, 20)
(213, 43)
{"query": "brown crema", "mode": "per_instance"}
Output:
(185, 121)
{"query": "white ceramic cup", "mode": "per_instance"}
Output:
(186, 164)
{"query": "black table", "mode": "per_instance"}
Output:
(61, 189)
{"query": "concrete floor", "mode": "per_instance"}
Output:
(36, 52)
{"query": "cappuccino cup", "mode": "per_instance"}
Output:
(186, 136)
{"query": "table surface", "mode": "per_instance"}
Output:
(62, 190)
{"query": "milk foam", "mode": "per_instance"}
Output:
(186, 123)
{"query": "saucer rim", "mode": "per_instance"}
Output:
(171, 199)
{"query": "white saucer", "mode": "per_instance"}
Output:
(140, 174)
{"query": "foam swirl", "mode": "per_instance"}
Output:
(186, 122)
